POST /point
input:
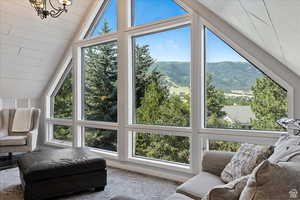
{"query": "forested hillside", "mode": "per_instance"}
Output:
(227, 76)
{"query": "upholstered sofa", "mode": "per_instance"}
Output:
(212, 166)
(17, 142)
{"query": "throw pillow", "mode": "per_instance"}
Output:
(286, 148)
(230, 191)
(270, 181)
(244, 161)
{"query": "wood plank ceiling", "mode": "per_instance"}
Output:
(272, 24)
(30, 48)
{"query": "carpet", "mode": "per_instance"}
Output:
(120, 182)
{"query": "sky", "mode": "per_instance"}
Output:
(170, 45)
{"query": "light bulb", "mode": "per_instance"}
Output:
(65, 2)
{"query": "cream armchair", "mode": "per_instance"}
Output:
(17, 142)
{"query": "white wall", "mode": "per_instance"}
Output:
(19, 103)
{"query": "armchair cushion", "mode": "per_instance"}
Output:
(22, 121)
(198, 186)
(13, 140)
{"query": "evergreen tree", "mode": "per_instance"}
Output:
(63, 100)
(100, 94)
(158, 107)
(269, 104)
(100, 64)
(143, 62)
(215, 99)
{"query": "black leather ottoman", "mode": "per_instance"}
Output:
(51, 173)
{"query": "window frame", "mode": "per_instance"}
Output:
(124, 126)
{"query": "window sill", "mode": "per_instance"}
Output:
(161, 164)
(59, 143)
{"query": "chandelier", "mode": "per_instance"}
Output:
(40, 7)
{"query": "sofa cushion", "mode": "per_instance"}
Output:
(13, 140)
(178, 196)
(199, 185)
(270, 181)
(244, 161)
(230, 191)
(215, 161)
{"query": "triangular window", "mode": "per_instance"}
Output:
(238, 94)
(147, 11)
(62, 97)
(105, 21)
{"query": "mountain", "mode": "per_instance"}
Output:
(226, 76)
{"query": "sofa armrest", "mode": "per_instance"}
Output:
(32, 137)
(215, 161)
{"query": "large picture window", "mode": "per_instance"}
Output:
(239, 95)
(100, 82)
(153, 86)
(162, 78)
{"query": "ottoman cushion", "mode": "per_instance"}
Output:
(49, 164)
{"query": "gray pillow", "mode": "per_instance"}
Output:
(230, 191)
(244, 161)
(286, 148)
(270, 181)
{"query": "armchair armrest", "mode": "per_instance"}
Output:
(215, 161)
(32, 137)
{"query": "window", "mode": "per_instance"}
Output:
(106, 21)
(238, 95)
(101, 139)
(139, 88)
(162, 78)
(145, 11)
(62, 132)
(162, 147)
(100, 82)
(62, 97)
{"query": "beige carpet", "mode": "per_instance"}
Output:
(119, 183)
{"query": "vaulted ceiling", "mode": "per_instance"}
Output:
(31, 48)
(272, 24)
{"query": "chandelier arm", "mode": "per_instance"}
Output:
(53, 7)
(56, 14)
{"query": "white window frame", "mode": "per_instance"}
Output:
(198, 134)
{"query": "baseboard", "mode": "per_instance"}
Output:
(150, 171)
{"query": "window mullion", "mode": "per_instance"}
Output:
(77, 93)
(196, 83)
(123, 22)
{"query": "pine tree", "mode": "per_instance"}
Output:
(100, 65)
(269, 104)
(63, 100)
(143, 62)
